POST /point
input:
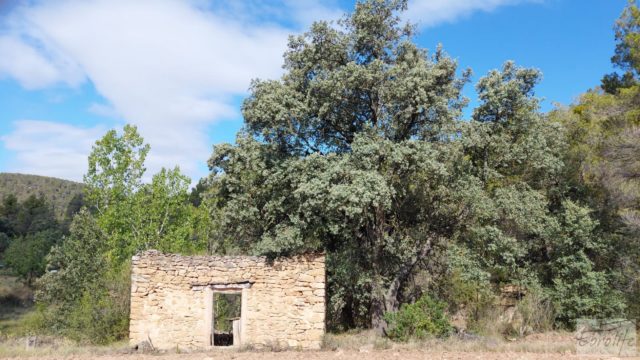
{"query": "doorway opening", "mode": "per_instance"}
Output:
(227, 307)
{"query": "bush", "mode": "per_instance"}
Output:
(579, 287)
(579, 291)
(467, 289)
(424, 318)
(97, 319)
(537, 312)
(99, 315)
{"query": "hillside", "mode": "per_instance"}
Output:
(57, 191)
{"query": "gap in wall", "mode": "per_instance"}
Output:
(226, 317)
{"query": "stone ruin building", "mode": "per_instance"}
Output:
(280, 303)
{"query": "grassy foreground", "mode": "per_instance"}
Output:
(348, 343)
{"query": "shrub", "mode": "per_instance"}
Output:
(467, 289)
(424, 318)
(579, 287)
(97, 319)
(537, 312)
(579, 291)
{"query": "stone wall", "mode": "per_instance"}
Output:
(283, 301)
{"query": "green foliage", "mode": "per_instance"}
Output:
(364, 75)
(99, 317)
(26, 255)
(86, 289)
(28, 229)
(116, 167)
(337, 202)
(348, 152)
(426, 317)
(30, 216)
(579, 290)
(197, 193)
(227, 308)
(522, 223)
(137, 216)
(466, 284)
(516, 155)
(603, 172)
(74, 265)
(359, 150)
(84, 299)
(163, 218)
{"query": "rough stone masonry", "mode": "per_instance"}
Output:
(282, 301)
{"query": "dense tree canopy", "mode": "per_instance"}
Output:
(28, 229)
(366, 76)
(359, 150)
(347, 152)
(602, 156)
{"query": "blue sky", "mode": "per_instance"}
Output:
(70, 70)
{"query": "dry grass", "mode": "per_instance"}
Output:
(356, 340)
(553, 342)
(42, 346)
(16, 307)
(359, 342)
(346, 346)
(13, 290)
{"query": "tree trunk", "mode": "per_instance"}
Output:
(387, 300)
(378, 309)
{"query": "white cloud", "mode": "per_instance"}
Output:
(31, 68)
(50, 148)
(167, 66)
(307, 11)
(103, 110)
(297, 13)
(171, 67)
(427, 13)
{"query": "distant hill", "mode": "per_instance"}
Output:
(58, 192)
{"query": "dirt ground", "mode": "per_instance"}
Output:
(335, 355)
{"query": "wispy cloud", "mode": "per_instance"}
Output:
(167, 66)
(31, 68)
(171, 67)
(56, 149)
(104, 110)
(427, 13)
(296, 14)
